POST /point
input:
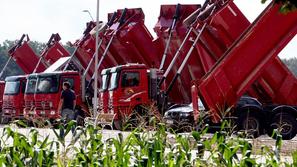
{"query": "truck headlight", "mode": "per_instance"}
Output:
(53, 112)
(166, 114)
(32, 112)
(184, 114)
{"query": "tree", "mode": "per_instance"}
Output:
(287, 5)
(291, 64)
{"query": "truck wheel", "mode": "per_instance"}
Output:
(4, 120)
(250, 123)
(117, 124)
(285, 124)
(139, 117)
(80, 117)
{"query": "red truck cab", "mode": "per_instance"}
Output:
(47, 93)
(13, 96)
(132, 87)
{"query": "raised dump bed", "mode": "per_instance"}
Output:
(223, 27)
(132, 42)
(23, 55)
(54, 50)
(276, 84)
(238, 69)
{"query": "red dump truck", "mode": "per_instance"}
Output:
(143, 92)
(245, 62)
(266, 87)
(13, 98)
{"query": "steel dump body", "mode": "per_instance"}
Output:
(85, 47)
(132, 43)
(245, 61)
(25, 57)
(54, 52)
(179, 93)
(224, 26)
(276, 84)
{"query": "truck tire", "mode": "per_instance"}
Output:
(4, 120)
(139, 117)
(286, 125)
(250, 123)
(117, 124)
(79, 117)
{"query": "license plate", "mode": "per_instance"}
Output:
(169, 121)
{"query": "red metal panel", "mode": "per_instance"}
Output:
(278, 83)
(54, 52)
(180, 91)
(2, 85)
(141, 40)
(224, 27)
(86, 48)
(245, 61)
(166, 16)
(25, 57)
(133, 43)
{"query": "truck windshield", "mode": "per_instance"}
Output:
(113, 81)
(105, 82)
(31, 85)
(12, 87)
(48, 84)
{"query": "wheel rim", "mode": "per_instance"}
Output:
(251, 123)
(283, 127)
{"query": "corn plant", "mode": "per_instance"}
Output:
(86, 146)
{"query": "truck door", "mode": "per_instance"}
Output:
(134, 87)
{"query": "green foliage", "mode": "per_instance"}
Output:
(88, 147)
(291, 64)
(287, 5)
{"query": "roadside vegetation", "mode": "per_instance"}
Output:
(287, 5)
(88, 147)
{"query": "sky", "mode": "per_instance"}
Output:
(40, 18)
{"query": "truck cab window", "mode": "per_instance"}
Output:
(11, 87)
(48, 84)
(31, 85)
(130, 79)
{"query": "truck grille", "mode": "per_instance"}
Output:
(42, 105)
(29, 104)
(7, 104)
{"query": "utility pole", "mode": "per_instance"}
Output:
(96, 62)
